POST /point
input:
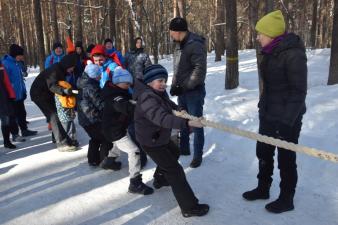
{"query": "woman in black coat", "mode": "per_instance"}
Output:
(137, 60)
(42, 92)
(281, 108)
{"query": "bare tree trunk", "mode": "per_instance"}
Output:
(19, 24)
(269, 6)
(333, 71)
(181, 8)
(54, 21)
(253, 17)
(175, 8)
(313, 31)
(78, 20)
(39, 32)
(139, 16)
(231, 79)
(111, 15)
(219, 28)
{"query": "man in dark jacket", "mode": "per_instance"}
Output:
(42, 92)
(190, 63)
(281, 108)
(153, 123)
(90, 106)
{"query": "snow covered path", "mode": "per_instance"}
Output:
(39, 185)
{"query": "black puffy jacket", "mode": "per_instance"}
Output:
(153, 116)
(46, 85)
(190, 65)
(89, 101)
(284, 74)
(136, 61)
(118, 112)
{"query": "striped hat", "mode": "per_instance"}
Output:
(154, 72)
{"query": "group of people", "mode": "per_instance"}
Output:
(122, 104)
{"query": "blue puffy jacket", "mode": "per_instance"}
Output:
(107, 71)
(14, 70)
(118, 53)
(52, 59)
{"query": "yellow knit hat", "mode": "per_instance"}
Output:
(272, 24)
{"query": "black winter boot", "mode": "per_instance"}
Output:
(198, 210)
(160, 181)
(282, 204)
(9, 145)
(26, 133)
(262, 191)
(138, 187)
(110, 163)
(196, 162)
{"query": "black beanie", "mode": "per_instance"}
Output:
(15, 50)
(69, 61)
(78, 44)
(108, 40)
(178, 24)
(90, 48)
(57, 45)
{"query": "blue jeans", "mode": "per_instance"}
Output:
(193, 102)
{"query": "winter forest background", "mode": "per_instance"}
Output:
(36, 24)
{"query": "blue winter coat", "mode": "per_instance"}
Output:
(118, 53)
(107, 71)
(52, 59)
(14, 70)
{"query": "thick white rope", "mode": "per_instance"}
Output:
(262, 138)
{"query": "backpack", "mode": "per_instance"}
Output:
(66, 101)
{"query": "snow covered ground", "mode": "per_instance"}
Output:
(39, 185)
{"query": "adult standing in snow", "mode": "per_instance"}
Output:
(42, 93)
(188, 82)
(14, 67)
(281, 107)
(136, 59)
(56, 55)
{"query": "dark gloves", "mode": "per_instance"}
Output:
(68, 91)
(284, 131)
(176, 90)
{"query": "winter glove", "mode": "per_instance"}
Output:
(195, 123)
(68, 91)
(176, 90)
(284, 131)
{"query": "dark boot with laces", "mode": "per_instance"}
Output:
(138, 187)
(262, 191)
(282, 204)
(197, 210)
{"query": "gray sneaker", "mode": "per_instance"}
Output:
(17, 138)
(66, 148)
